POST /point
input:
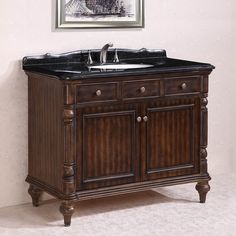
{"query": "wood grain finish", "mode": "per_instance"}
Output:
(45, 130)
(170, 141)
(108, 153)
(140, 89)
(114, 130)
(90, 93)
(130, 134)
(183, 85)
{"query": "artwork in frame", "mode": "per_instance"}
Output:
(100, 13)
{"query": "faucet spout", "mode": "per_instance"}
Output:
(103, 53)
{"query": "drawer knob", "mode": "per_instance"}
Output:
(139, 119)
(183, 86)
(145, 119)
(142, 89)
(98, 92)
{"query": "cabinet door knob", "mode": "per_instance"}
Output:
(98, 92)
(139, 119)
(145, 119)
(183, 85)
(142, 89)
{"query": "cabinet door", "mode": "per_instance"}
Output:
(107, 146)
(171, 144)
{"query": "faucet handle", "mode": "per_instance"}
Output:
(116, 58)
(90, 60)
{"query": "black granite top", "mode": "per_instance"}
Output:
(73, 65)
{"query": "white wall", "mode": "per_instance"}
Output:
(202, 30)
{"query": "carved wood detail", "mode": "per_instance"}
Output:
(69, 185)
(204, 128)
(35, 194)
(203, 188)
(67, 210)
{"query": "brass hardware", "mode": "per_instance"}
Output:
(139, 119)
(183, 85)
(98, 92)
(142, 89)
(145, 119)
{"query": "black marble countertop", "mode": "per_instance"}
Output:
(73, 65)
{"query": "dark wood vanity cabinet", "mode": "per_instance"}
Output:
(105, 136)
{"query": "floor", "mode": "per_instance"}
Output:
(169, 211)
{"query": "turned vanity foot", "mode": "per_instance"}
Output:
(35, 194)
(67, 210)
(203, 188)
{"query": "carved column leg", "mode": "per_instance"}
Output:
(69, 186)
(67, 210)
(35, 194)
(203, 188)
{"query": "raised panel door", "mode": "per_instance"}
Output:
(171, 145)
(107, 147)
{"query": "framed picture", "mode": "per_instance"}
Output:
(100, 14)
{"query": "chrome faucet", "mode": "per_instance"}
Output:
(103, 53)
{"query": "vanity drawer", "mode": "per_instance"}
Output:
(140, 89)
(182, 85)
(98, 92)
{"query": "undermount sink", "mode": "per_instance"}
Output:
(119, 66)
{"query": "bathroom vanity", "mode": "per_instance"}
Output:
(101, 129)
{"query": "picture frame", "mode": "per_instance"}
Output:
(81, 14)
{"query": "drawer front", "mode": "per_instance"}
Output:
(98, 92)
(182, 85)
(140, 89)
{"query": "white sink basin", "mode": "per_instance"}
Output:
(120, 66)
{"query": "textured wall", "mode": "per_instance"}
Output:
(196, 30)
